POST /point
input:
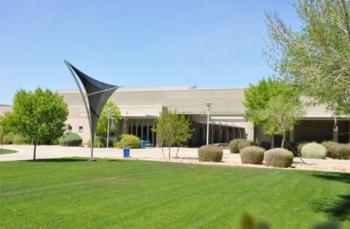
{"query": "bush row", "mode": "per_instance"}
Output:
(277, 157)
(307, 150)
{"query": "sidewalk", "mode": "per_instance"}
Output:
(186, 155)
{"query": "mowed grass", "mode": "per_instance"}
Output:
(7, 151)
(75, 193)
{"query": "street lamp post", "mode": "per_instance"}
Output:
(208, 119)
(110, 117)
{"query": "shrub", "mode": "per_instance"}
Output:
(128, 140)
(278, 157)
(265, 144)
(300, 146)
(237, 144)
(7, 139)
(313, 150)
(252, 155)
(19, 140)
(341, 151)
(70, 139)
(98, 142)
(210, 153)
(330, 146)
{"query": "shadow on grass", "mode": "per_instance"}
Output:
(341, 177)
(337, 209)
(75, 159)
(70, 159)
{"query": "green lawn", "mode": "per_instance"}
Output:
(75, 193)
(7, 151)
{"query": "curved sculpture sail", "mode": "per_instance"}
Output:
(95, 97)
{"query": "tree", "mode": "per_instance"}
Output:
(281, 114)
(316, 58)
(109, 109)
(257, 97)
(172, 129)
(38, 115)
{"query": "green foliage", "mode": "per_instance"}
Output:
(237, 144)
(258, 96)
(70, 139)
(19, 140)
(330, 146)
(281, 114)
(252, 155)
(128, 140)
(38, 115)
(278, 157)
(210, 153)
(314, 150)
(114, 111)
(172, 129)
(316, 58)
(99, 142)
(15, 139)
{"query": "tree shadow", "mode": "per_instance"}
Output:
(338, 208)
(341, 177)
(75, 159)
(68, 159)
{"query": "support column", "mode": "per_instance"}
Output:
(291, 135)
(335, 131)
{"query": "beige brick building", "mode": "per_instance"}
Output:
(140, 107)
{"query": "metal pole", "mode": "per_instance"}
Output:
(208, 119)
(108, 129)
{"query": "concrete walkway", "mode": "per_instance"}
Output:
(186, 155)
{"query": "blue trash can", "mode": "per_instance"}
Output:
(126, 152)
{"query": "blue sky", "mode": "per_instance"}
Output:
(211, 44)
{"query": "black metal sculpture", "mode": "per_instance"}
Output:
(97, 93)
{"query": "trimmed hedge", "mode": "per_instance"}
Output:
(238, 144)
(342, 151)
(70, 139)
(128, 140)
(278, 157)
(336, 150)
(300, 146)
(210, 153)
(252, 155)
(313, 150)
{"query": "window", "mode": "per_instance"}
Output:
(69, 127)
(80, 129)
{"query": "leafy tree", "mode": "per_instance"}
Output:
(102, 125)
(172, 129)
(317, 57)
(281, 114)
(38, 115)
(258, 96)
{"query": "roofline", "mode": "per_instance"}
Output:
(154, 90)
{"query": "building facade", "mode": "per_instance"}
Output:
(140, 107)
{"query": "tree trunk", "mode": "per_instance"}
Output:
(162, 151)
(177, 152)
(34, 154)
(169, 152)
(283, 140)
